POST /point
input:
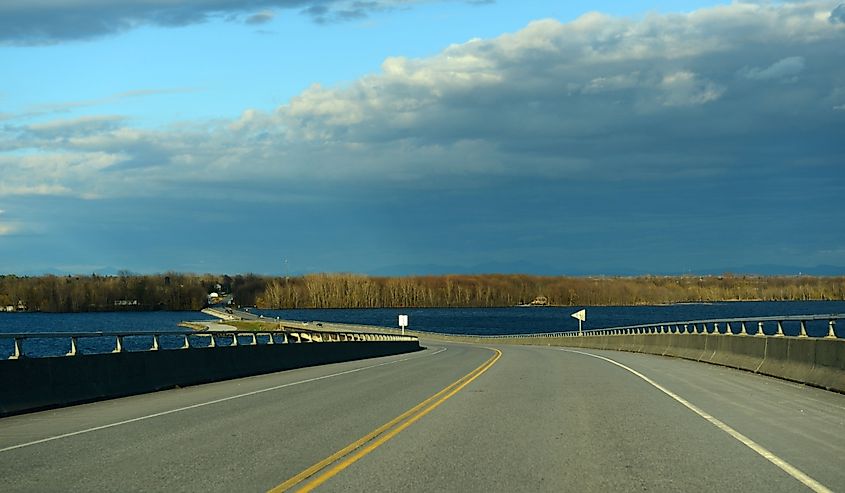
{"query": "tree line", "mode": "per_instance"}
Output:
(125, 291)
(178, 291)
(495, 290)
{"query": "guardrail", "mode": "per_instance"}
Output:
(729, 326)
(724, 326)
(105, 342)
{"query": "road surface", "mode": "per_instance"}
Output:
(529, 419)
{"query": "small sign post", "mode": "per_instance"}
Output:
(581, 315)
(403, 322)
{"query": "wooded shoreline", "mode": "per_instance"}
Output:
(178, 291)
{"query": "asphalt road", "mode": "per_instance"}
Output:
(538, 419)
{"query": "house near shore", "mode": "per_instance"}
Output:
(20, 307)
(540, 301)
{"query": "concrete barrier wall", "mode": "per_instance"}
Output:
(819, 362)
(29, 384)
(814, 361)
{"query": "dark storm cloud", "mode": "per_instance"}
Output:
(260, 18)
(732, 93)
(618, 97)
(671, 142)
(51, 21)
(838, 14)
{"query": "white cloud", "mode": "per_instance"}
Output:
(685, 88)
(12, 190)
(6, 227)
(67, 106)
(612, 83)
(785, 69)
(601, 95)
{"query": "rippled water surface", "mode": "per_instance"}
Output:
(519, 320)
(513, 320)
(481, 321)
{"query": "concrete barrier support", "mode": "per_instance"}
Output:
(829, 369)
(28, 384)
(814, 361)
(792, 358)
(738, 352)
(819, 361)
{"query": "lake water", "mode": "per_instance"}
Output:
(514, 320)
(521, 320)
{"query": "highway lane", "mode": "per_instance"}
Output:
(250, 443)
(548, 420)
(539, 419)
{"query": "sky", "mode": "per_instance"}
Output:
(399, 137)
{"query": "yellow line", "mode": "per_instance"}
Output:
(409, 417)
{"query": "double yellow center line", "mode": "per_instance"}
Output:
(324, 470)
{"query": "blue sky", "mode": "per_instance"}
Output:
(412, 137)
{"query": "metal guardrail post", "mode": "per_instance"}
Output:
(701, 327)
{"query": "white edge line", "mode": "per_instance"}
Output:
(208, 403)
(764, 452)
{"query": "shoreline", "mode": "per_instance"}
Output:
(467, 307)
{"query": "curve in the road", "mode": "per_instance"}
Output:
(762, 451)
(540, 419)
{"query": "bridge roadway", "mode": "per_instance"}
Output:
(539, 419)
